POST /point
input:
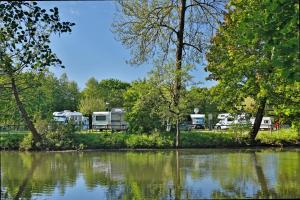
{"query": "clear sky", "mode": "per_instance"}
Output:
(91, 49)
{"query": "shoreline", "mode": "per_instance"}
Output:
(261, 147)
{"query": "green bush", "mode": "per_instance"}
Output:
(11, 141)
(55, 136)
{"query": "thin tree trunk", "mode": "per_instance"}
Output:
(258, 119)
(36, 136)
(179, 50)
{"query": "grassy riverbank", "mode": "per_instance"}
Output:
(108, 140)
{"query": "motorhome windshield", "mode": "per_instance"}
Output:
(60, 118)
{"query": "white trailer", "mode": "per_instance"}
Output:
(66, 116)
(118, 119)
(266, 122)
(114, 120)
(101, 120)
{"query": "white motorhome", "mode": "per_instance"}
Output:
(110, 120)
(227, 120)
(198, 120)
(66, 116)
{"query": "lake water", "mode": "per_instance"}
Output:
(161, 174)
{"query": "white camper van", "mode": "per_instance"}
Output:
(66, 116)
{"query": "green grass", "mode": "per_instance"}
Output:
(194, 139)
(279, 138)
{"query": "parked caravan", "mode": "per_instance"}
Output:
(118, 119)
(66, 116)
(101, 120)
(266, 122)
(198, 121)
(114, 120)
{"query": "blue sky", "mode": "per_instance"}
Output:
(91, 49)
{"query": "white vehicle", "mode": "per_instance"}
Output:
(118, 119)
(101, 120)
(227, 120)
(109, 120)
(85, 123)
(66, 116)
(266, 122)
(223, 115)
(198, 120)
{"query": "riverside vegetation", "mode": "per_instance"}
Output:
(67, 137)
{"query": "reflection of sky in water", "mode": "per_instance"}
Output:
(201, 188)
(77, 191)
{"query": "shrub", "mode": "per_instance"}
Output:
(55, 136)
(11, 141)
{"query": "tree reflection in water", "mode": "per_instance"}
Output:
(178, 174)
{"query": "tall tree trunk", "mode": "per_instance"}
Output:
(36, 136)
(258, 119)
(179, 50)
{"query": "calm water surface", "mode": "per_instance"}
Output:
(170, 174)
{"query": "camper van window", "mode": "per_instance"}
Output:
(100, 118)
(266, 121)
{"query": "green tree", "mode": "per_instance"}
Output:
(89, 105)
(167, 29)
(91, 89)
(25, 31)
(66, 96)
(112, 90)
(256, 54)
(141, 102)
